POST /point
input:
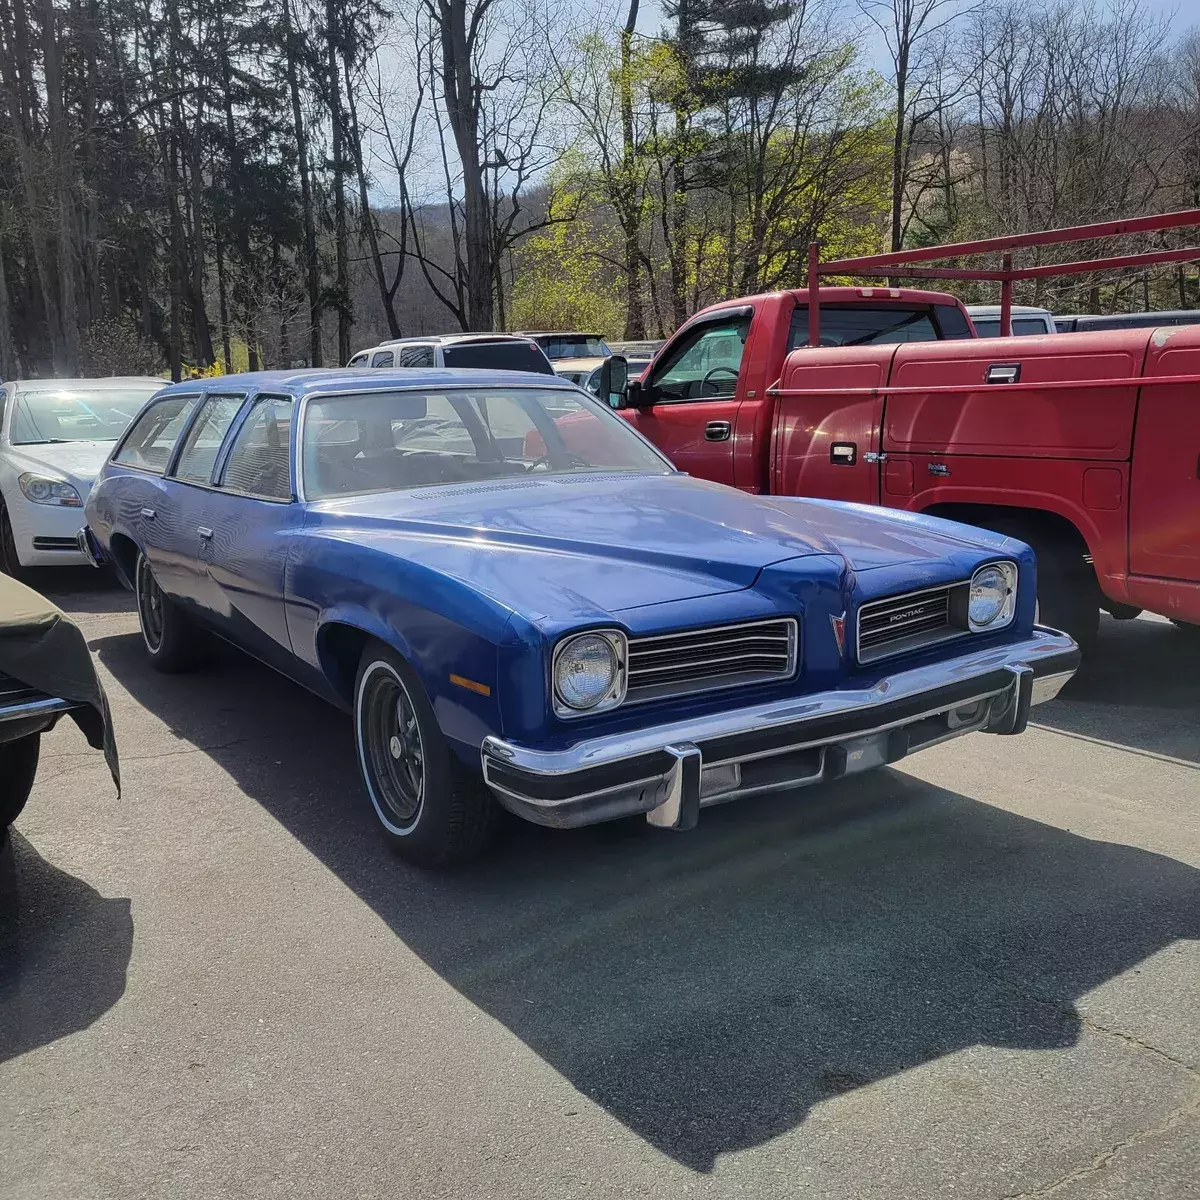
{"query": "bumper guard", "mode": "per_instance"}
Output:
(671, 771)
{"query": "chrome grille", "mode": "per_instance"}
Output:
(671, 664)
(911, 621)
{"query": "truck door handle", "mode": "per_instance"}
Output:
(843, 454)
(204, 532)
(717, 431)
(1004, 373)
(149, 514)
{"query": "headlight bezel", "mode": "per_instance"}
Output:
(1006, 613)
(57, 493)
(613, 696)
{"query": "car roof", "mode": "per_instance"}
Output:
(570, 333)
(448, 339)
(116, 381)
(1018, 310)
(321, 382)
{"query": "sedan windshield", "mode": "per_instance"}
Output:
(75, 414)
(388, 441)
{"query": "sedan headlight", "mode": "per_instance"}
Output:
(993, 597)
(39, 489)
(589, 673)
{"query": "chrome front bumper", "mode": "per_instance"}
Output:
(670, 771)
(89, 547)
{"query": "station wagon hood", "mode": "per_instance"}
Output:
(610, 542)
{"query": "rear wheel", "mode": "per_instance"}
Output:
(169, 634)
(432, 810)
(18, 765)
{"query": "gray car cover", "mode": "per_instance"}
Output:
(41, 647)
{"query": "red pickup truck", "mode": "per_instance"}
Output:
(1063, 441)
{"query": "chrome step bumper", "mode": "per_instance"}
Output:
(670, 771)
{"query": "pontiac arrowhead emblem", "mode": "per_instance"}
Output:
(839, 632)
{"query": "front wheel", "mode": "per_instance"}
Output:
(433, 812)
(10, 564)
(18, 765)
(170, 636)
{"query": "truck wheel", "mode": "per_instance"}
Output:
(1067, 595)
(18, 765)
(432, 810)
(170, 636)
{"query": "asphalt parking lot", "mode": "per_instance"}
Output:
(976, 976)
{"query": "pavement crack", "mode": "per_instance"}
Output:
(88, 760)
(1102, 1161)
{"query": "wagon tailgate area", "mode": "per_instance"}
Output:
(973, 976)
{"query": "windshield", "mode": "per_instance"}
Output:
(573, 345)
(76, 414)
(389, 441)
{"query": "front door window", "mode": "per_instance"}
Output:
(704, 365)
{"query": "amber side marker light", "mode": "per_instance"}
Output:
(471, 685)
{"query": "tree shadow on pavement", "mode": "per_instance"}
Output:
(64, 950)
(1141, 670)
(708, 989)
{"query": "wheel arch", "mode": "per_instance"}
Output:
(341, 639)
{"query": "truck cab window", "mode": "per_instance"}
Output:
(858, 326)
(704, 363)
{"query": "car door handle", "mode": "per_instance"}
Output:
(204, 532)
(717, 431)
(149, 514)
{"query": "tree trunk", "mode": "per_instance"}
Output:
(337, 121)
(898, 147)
(312, 266)
(386, 294)
(8, 362)
(462, 108)
(202, 346)
(635, 316)
(223, 304)
(63, 168)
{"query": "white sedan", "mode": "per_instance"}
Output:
(54, 437)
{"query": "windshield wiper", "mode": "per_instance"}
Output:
(48, 442)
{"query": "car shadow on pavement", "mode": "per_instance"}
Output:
(64, 950)
(1139, 670)
(708, 989)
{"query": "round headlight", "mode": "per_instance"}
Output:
(989, 595)
(584, 671)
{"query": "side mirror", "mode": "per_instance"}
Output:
(614, 380)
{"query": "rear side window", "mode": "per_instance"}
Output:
(384, 359)
(260, 461)
(498, 356)
(952, 321)
(151, 439)
(855, 325)
(199, 454)
(417, 356)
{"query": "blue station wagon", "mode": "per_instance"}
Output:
(522, 603)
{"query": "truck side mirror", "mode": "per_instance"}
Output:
(614, 381)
